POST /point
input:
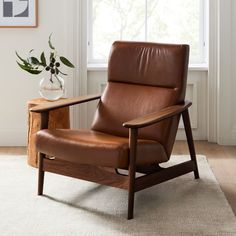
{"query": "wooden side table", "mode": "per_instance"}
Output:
(59, 118)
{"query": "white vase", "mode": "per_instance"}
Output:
(52, 87)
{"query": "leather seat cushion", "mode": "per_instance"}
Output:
(97, 148)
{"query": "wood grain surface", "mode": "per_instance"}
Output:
(58, 118)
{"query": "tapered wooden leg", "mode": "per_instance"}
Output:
(188, 131)
(132, 169)
(43, 125)
(131, 199)
(40, 174)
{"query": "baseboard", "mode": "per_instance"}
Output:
(234, 137)
(229, 139)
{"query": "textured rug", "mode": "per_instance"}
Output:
(70, 207)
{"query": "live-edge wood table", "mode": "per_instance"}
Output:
(58, 119)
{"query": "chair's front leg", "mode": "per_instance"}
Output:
(41, 156)
(188, 131)
(40, 174)
(133, 136)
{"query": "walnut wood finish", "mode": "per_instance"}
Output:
(137, 184)
(41, 173)
(155, 117)
(64, 103)
(149, 169)
(100, 175)
(164, 175)
(43, 125)
(133, 137)
(188, 131)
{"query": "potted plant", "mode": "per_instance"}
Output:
(52, 86)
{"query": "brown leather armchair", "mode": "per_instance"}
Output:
(134, 127)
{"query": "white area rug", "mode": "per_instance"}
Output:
(183, 206)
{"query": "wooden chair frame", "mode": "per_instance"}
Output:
(109, 176)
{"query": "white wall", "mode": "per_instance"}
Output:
(233, 58)
(17, 86)
(226, 124)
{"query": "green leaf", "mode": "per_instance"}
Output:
(34, 61)
(31, 50)
(66, 62)
(28, 69)
(50, 43)
(23, 60)
(43, 60)
(23, 66)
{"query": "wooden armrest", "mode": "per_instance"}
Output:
(48, 106)
(158, 116)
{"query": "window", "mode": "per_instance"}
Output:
(168, 21)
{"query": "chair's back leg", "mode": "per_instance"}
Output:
(188, 131)
(40, 174)
(132, 169)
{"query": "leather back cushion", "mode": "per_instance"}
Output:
(143, 78)
(153, 64)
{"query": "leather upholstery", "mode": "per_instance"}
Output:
(153, 64)
(142, 78)
(123, 102)
(96, 148)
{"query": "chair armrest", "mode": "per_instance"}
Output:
(48, 106)
(158, 116)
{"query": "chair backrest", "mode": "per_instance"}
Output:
(143, 78)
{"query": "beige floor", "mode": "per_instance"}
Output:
(222, 160)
